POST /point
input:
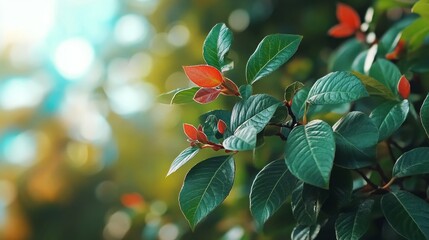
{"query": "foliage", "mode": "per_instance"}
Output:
(325, 158)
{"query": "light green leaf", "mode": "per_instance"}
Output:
(205, 187)
(353, 225)
(356, 138)
(389, 116)
(273, 184)
(304, 232)
(298, 103)
(307, 202)
(178, 96)
(292, 89)
(309, 153)
(217, 45)
(335, 88)
(422, 8)
(407, 214)
(272, 52)
(243, 139)
(183, 158)
(424, 114)
(375, 87)
(255, 111)
(386, 73)
(343, 58)
(416, 33)
(413, 162)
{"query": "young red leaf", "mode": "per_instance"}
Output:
(190, 131)
(206, 95)
(394, 55)
(404, 87)
(221, 126)
(230, 88)
(341, 31)
(204, 75)
(202, 137)
(348, 16)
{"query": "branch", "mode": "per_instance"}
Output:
(368, 181)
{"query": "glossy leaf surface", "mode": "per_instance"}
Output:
(183, 158)
(413, 162)
(353, 225)
(217, 45)
(389, 116)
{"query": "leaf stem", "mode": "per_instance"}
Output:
(368, 181)
(381, 173)
(392, 180)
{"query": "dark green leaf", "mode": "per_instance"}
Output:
(335, 88)
(217, 45)
(255, 111)
(413, 162)
(307, 202)
(178, 96)
(340, 192)
(280, 115)
(210, 128)
(309, 153)
(243, 139)
(389, 116)
(205, 187)
(272, 52)
(304, 232)
(245, 91)
(292, 89)
(343, 58)
(273, 184)
(183, 158)
(225, 115)
(386, 73)
(353, 225)
(356, 138)
(424, 114)
(407, 214)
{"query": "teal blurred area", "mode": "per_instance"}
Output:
(85, 147)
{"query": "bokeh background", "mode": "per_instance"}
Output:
(84, 145)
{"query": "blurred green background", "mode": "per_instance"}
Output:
(85, 147)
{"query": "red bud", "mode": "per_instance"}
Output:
(404, 87)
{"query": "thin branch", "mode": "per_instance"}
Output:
(392, 155)
(385, 187)
(381, 172)
(368, 181)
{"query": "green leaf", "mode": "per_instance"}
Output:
(386, 73)
(210, 128)
(273, 184)
(340, 192)
(292, 89)
(391, 37)
(255, 111)
(407, 214)
(343, 58)
(416, 33)
(388, 117)
(307, 202)
(178, 96)
(358, 64)
(356, 138)
(272, 52)
(353, 225)
(335, 88)
(225, 115)
(245, 91)
(424, 114)
(309, 153)
(298, 103)
(375, 87)
(422, 8)
(217, 45)
(205, 187)
(243, 139)
(304, 232)
(413, 162)
(183, 158)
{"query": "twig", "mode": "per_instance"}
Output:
(381, 172)
(392, 155)
(368, 181)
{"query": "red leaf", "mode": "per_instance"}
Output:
(204, 75)
(230, 88)
(206, 95)
(202, 137)
(221, 126)
(341, 31)
(190, 131)
(348, 16)
(404, 87)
